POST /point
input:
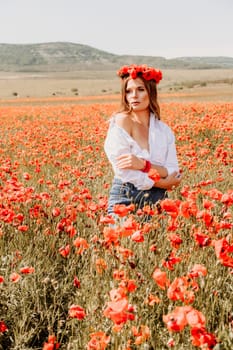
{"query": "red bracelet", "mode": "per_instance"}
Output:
(147, 167)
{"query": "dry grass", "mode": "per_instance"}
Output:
(181, 85)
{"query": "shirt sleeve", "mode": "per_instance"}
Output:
(171, 162)
(116, 144)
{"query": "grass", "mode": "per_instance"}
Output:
(58, 251)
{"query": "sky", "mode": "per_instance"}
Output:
(167, 28)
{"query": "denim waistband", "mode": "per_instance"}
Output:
(117, 181)
(126, 193)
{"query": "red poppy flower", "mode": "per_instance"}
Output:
(99, 341)
(205, 216)
(26, 176)
(108, 219)
(134, 71)
(27, 270)
(175, 240)
(15, 277)
(160, 277)
(81, 244)
(171, 261)
(201, 338)
(197, 271)
(56, 211)
(214, 194)
(154, 175)
(101, 265)
(208, 204)
(188, 208)
(119, 275)
(65, 251)
(222, 247)
(202, 239)
(138, 236)
(227, 198)
(52, 343)
(118, 309)
(126, 253)
(122, 210)
(176, 320)
(117, 294)
(195, 318)
(119, 317)
(23, 228)
(171, 206)
(129, 226)
(128, 284)
(76, 282)
(3, 327)
(171, 343)
(76, 311)
(179, 289)
(152, 299)
(222, 250)
(141, 335)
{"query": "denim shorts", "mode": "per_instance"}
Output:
(126, 193)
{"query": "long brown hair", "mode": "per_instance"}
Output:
(151, 88)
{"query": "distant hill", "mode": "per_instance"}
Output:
(64, 56)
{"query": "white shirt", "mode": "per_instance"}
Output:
(162, 151)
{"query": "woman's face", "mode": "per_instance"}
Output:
(137, 95)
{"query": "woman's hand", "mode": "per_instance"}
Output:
(130, 161)
(170, 182)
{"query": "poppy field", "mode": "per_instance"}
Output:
(72, 278)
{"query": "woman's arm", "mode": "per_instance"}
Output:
(171, 181)
(130, 161)
(117, 144)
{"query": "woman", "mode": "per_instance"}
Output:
(138, 141)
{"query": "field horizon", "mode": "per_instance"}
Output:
(177, 84)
